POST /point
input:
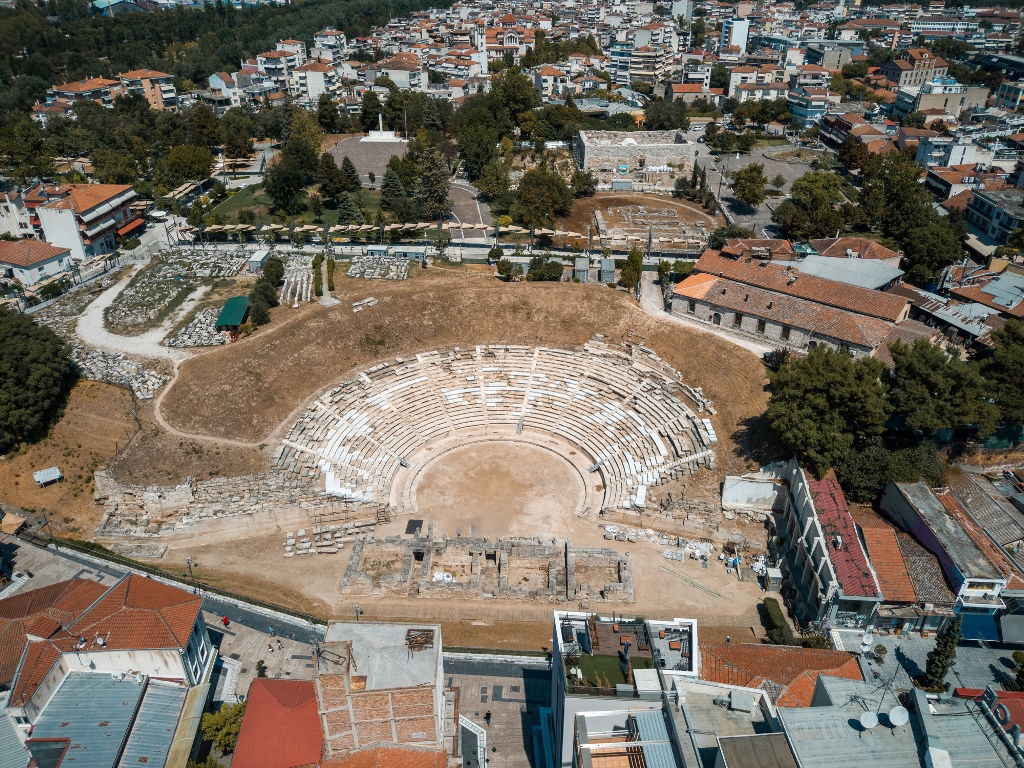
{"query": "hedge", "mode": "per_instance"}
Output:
(779, 631)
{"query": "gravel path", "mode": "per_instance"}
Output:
(92, 331)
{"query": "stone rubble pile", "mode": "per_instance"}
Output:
(115, 368)
(201, 332)
(375, 267)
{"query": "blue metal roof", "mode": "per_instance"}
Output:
(651, 727)
(154, 727)
(94, 712)
(12, 751)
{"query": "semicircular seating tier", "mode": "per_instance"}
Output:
(621, 407)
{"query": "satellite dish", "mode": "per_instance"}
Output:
(898, 716)
(867, 640)
(868, 720)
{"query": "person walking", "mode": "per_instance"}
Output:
(487, 717)
(225, 621)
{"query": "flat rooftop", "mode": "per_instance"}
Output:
(391, 655)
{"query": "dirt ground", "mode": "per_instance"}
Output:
(252, 390)
(500, 489)
(96, 421)
(582, 214)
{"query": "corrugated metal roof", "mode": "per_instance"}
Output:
(12, 752)
(233, 313)
(1007, 289)
(866, 273)
(154, 727)
(651, 727)
(48, 475)
(94, 712)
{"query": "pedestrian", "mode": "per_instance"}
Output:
(270, 647)
(280, 647)
(487, 717)
(271, 631)
(226, 621)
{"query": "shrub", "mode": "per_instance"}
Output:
(495, 254)
(318, 278)
(330, 274)
(273, 270)
(222, 727)
(779, 631)
(816, 641)
(265, 291)
(259, 311)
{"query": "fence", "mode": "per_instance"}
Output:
(98, 551)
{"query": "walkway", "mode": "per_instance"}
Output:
(652, 303)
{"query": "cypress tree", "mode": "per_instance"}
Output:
(392, 193)
(942, 658)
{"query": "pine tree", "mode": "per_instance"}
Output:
(942, 658)
(392, 193)
(348, 211)
(349, 176)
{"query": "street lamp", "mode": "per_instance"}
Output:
(190, 562)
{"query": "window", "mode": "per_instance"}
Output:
(691, 306)
(20, 720)
(716, 319)
(760, 326)
(785, 333)
(737, 320)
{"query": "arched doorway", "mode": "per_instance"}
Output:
(716, 319)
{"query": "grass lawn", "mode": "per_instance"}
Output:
(252, 197)
(604, 671)
(777, 142)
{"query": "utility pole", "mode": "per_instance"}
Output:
(46, 523)
(190, 562)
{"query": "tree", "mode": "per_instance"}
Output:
(259, 311)
(370, 111)
(893, 197)
(328, 175)
(682, 187)
(316, 205)
(933, 390)
(867, 468)
(187, 162)
(824, 402)
(776, 627)
(273, 270)
(349, 176)
(853, 154)
(433, 186)
(1002, 370)
(544, 268)
(348, 211)
(263, 290)
(511, 270)
(304, 127)
(913, 120)
(113, 167)
(24, 152)
(542, 197)
(203, 130)
(928, 250)
(942, 658)
(723, 235)
(327, 113)
(284, 182)
(779, 181)
(719, 76)
(631, 272)
(583, 184)
(811, 210)
(513, 94)
(477, 141)
(36, 375)
(392, 194)
(748, 185)
(493, 181)
(302, 153)
(222, 727)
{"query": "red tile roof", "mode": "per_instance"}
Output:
(141, 613)
(40, 613)
(782, 279)
(28, 253)
(390, 757)
(85, 197)
(281, 727)
(848, 559)
(787, 673)
(889, 566)
(864, 248)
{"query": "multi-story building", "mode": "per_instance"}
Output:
(735, 31)
(87, 219)
(98, 89)
(1010, 95)
(949, 25)
(828, 581)
(405, 71)
(997, 213)
(648, 65)
(157, 88)
(550, 82)
(309, 81)
(946, 151)
(914, 67)
(806, 104)
(939, 93)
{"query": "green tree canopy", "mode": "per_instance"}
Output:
(223, 726)
(493, 181)
(350, 181)
(284, 183)
(748, 185)
(348, 211)
(433, 186)
(542, 197)
(812, 208)
(942, 657)
(36, 375)
(370, 111)
(1002, 370)
(328, 175)
(187, 162)
(933, 391)
(393, 196)
(822, 403)
(273, 270)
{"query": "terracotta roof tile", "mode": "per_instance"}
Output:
(780, 279)
(85, 197)
(925, 572)
(889, 566)
(28, 253)
(40, 658)
(390, 757)
(864, 248)
(787, 672)
(281, 727)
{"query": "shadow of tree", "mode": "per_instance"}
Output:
(755, 441)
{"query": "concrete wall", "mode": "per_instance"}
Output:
(60, 227)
